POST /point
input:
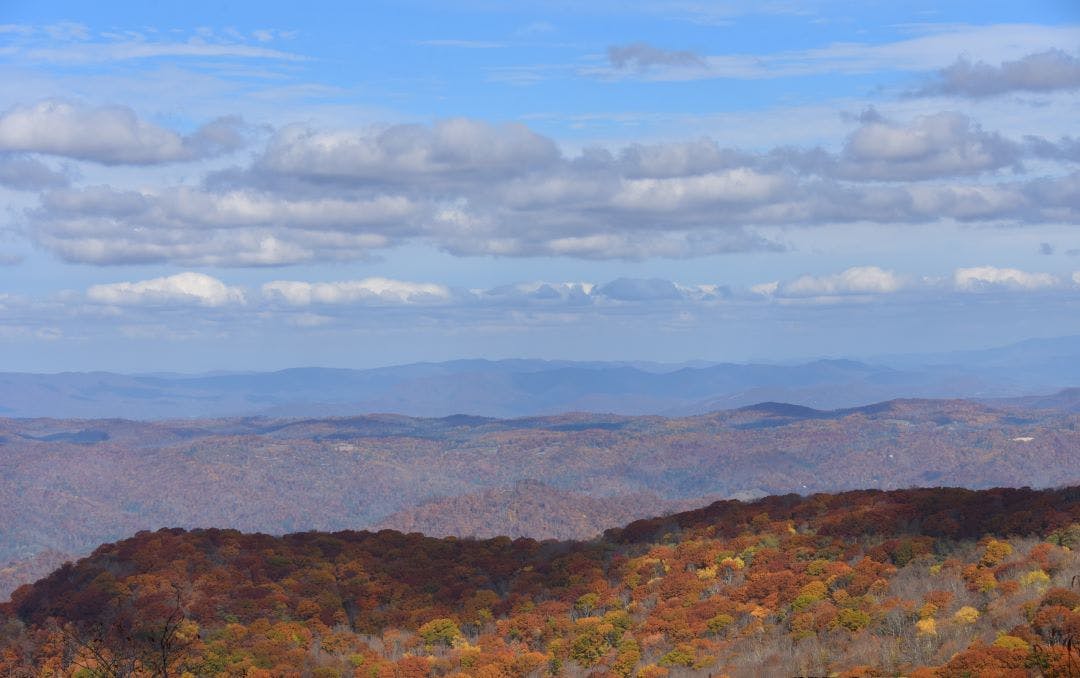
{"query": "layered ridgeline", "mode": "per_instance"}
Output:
(512, 388)
(67, 486)
(932, 582)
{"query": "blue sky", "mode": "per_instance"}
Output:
(259, 185)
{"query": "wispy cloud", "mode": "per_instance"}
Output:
(641, 56)
(1046, 71)
(74, 44)
(926, 51)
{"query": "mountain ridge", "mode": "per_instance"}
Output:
(524, 387)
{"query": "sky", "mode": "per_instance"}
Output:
(250, 186)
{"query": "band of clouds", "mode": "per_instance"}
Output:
(471, 188)
(202, 290)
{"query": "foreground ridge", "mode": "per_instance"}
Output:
(923, 582)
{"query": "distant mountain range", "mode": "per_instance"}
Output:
(515, 388)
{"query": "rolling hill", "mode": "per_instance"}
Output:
(68, 485)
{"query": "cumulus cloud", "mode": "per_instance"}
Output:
(187, 288)
(641, 56)
(989, 277)
(111, 135)
(856, 280)
(944, 144)
(368, 290)
(1046, 71)
(448, 149)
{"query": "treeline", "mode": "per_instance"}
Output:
(932, 582)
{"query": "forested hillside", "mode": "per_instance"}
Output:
(930, 582)
(69, 485)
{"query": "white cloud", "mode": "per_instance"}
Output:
(368, 290)
(180, 289)
(984, 277)
(111, 135)
(943, 144)
(857, 280)
(1076, 278)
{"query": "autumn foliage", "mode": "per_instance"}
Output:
(932, 582)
